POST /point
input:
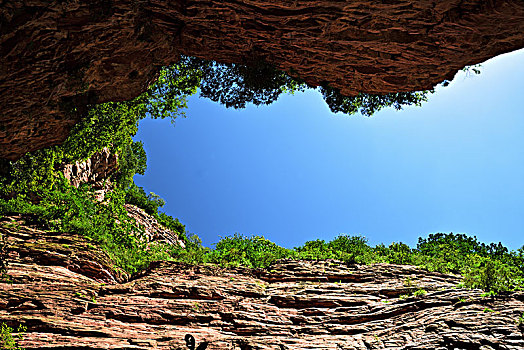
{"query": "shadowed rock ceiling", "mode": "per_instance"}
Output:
(62, 54)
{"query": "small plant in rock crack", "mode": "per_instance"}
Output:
(7, 341)
(488, 310)
(490, 294)
(420, 293)
(261, 285)
(195, 307)
(11, 225)
(520, 320)
(409, 283)
(80, 295)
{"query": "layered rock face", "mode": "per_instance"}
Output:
(69, 297)
(94, 171)
(152, 230)
(58, 57)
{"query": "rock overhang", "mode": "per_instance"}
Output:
(57, 58)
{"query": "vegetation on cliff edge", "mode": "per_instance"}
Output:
(36, 185)
(491, 267)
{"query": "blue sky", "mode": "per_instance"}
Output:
(293, 171)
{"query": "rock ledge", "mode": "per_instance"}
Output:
(69, 297)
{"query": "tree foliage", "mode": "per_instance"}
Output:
(35, 185)
(369, 104)
(498, 270)
(235, 85)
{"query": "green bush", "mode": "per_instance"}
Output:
(173, 224)
(7, 341)
(399, 253)
(351, 249)
(193, 253)
(238, 250)
(149, 202)
(315, 250)
(491, 275)
(446, 252)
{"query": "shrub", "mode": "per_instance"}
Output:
(7, 341)
(149, 202)
(399, 253)
(173, 224)
(490, 274)
(70, 209)
(255, 251)
(446, 252)
(351, 249)
(193, 253)
(315, 250)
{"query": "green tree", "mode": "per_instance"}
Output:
(368, 104)
(490, 274)
(238, 250)
(235, 85)
(399, 253)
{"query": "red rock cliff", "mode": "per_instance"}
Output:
(60, 54)
(66, 292)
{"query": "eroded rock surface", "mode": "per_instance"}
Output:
(58, 56)
(67, 304)
(95, 171)
(152, 230)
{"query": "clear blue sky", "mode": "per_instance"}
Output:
(293, 171)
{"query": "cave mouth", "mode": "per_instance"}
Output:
(89, 181)
(84, 84)
(313, 164)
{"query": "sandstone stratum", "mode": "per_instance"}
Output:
(57, 57)
(69, 295)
